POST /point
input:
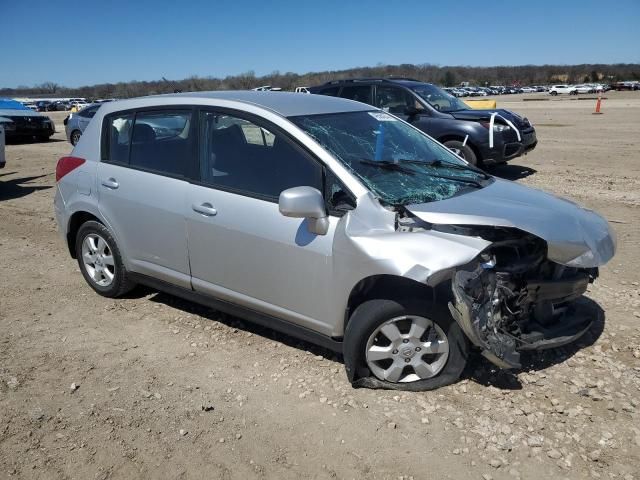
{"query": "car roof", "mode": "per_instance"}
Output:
(407, 82)
(286, 104)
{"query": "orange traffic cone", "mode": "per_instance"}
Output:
(598, 112)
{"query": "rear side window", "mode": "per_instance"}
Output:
(239, 155)
(331, 91)
(89, 112)
(359, 93)
(160, 142)
(118, 137)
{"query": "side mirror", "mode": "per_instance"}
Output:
(305, 202)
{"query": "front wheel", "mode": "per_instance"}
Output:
(554, 93)
(404, 345)
(464, 151)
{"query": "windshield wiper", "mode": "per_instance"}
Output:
(459, 166)
(446, 164)
(386, 164)
(397, 166)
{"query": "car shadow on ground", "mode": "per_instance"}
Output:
(232, 321)
(485, 373)
(479, 370)
(511, 171)
(16, 188)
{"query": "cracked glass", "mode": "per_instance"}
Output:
(397, 162)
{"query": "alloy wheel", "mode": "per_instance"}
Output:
(97, 259)
(407, 349)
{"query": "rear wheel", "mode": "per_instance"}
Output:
(100, 260)
(403, 344)
(464, 151)
(75, 137)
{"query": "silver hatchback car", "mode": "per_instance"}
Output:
(332, 221)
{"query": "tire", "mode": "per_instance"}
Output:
(74, 138)
(362, 337)
(107, 275)
(554, 93)
(465, 151)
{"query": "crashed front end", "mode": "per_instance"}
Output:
(519, 293)
(513, 298)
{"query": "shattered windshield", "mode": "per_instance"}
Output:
(398, 163)
(439, 99)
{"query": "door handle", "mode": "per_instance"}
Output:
(110, 183)
(205, 209)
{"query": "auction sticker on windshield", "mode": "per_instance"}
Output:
(382, 117)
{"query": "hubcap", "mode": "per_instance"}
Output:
(407, 349)
(75, 137)
(98, 260)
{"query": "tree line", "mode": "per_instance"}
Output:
(445, 76)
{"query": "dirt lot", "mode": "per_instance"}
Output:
(167, 389)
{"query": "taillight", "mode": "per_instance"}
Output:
(66, 165)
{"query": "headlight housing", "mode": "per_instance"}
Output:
(499, 127)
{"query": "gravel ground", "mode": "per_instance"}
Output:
(154, 387)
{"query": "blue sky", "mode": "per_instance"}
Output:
(77, 43)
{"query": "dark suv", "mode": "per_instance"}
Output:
(444, 117)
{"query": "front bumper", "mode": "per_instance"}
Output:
(507, 147)
(555, 318)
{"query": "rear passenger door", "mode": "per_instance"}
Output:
(146, 158)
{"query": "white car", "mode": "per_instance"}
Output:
(585, 88)
(559, 89)
(528, 90)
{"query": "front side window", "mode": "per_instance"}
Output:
(398, 163)
(438, 98)
(160, 142)
(359, 93)
(239, 155)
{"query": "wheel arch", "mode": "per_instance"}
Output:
(393, 287)
(75, 222)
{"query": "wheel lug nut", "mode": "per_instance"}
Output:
(406, 340)
(395, 351)
(418, 349)
(407, 360)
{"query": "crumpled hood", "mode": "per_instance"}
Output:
(485, 115)
(575, 236)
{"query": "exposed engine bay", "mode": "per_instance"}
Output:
(512, 298)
